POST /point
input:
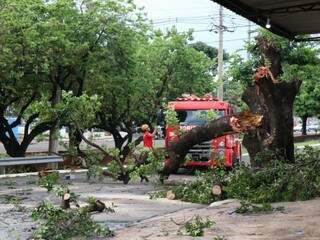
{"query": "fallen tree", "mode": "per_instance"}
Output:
(177, 151)
(268, 125)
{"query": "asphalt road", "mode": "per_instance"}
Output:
(43, 146)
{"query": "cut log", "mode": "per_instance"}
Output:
(97, 206)
(66, 200)
(216, 190)
(170, 195)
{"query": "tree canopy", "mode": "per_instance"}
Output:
(299, 61)
(93, 47)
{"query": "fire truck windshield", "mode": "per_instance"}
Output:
(198, 117)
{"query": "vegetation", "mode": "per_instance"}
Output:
(49, 181)
(64, 48)
(64, 222)
(200, 190)
(59, 224)
(299, 60)
(249, 208)
(195, 226)
(277, 181)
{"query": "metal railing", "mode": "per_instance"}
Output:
(14, 161)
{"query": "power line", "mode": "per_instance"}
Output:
(228, 40)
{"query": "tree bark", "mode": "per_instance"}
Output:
(54, 132)
(274, 100)
(304, 125)
(10, 142)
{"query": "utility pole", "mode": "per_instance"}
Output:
(220, 56)
(249, 38)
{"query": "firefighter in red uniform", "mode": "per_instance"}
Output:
(148, 148)
(147, 136)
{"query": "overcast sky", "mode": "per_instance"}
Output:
(200, 15)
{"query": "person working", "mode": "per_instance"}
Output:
(147, 136)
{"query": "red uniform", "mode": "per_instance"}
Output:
(148, 140)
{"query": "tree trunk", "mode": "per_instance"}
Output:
(304, 125)
(216, 128)
(11, 144)
(118, 139)
(14, 149)
(54, 132)
(274, 100)
(75, 139)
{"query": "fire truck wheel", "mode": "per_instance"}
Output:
(235, 161)
(186, 171)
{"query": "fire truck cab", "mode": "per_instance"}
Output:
(192, 112)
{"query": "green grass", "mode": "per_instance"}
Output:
(299, 144)
(307, 143)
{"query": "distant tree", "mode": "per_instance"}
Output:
(141, 75)
(299, 60)
(305, 65)
(210, 52)
(237, 74)
(22, 74)
(47, 47)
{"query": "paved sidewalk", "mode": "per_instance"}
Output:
(132, 203)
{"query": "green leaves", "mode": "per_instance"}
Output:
(171, 116)
(195, 226)
(279, 181)
(59, 224)
(79, 111)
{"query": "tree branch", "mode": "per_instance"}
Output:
(29, 121)
(101, 149)
(40, 128)
(6, 125)
(23, 109)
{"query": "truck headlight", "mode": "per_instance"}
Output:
(220, 154)
(221, 144)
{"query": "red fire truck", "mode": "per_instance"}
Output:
(191, 111)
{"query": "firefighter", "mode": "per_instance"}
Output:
(148, 136)
(142, 157)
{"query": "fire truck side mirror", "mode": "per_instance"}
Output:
(160, 117)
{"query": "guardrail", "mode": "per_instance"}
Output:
(14, 161)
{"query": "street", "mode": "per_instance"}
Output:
(43, 146)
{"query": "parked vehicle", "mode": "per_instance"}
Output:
(297, 128)
(192, 111)
(313, 128)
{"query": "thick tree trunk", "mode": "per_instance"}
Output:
(226, 125)
(275, 102)
(304, 125)
(14, 149)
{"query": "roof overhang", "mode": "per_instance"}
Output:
(288, 18)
